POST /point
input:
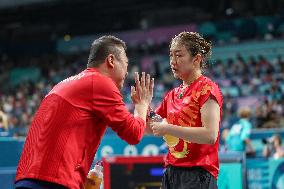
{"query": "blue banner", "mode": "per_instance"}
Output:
(265, 173)
(261, 173)
(226, 180)
(112, 145)
(258, 174)
(276, 176)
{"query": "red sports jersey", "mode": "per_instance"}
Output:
(68, 127)
(184, 110)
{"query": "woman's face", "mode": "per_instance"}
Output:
(181, 61)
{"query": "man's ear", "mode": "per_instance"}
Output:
(110, 60)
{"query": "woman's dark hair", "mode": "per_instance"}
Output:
(195, 44)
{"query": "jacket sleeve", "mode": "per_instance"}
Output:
(107, 104)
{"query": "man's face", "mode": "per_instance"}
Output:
(120, 69)
(181, 61)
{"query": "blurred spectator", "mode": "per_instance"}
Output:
(256, 77)
(270, 114)
(238, 137)
(273, 120)
(3, 122)
(223, 145)
(273, 147)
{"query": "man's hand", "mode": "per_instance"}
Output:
(142, 93)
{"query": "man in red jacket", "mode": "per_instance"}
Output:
(71, 120)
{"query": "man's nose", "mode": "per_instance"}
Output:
(173, 61)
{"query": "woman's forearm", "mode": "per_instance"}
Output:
(200, 135)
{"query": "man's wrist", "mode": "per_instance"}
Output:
(142, 105)
(141, 111)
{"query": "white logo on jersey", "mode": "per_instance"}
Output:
(72, 78)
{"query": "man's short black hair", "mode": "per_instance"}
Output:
(104, 46)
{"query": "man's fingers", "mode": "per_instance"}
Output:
(138, 85)
(145, 86)
(148, 81)
(152, 87)
(136, 76)
(143, 80)
(133, 91)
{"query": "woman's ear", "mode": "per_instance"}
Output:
(197, 60)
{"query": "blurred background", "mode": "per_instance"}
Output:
(44, 41)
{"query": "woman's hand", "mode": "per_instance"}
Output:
(159, 128)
